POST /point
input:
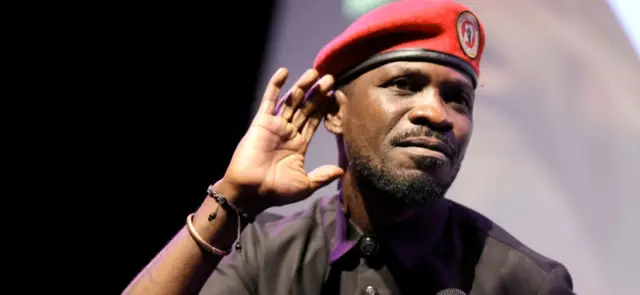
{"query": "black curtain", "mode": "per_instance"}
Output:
(166, 97)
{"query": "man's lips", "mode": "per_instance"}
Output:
(427, 143)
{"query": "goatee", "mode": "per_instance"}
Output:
(406, 190)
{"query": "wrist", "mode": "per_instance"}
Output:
(248, 202)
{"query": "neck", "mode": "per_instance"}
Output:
(370, 209)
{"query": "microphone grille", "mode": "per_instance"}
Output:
(451, 291)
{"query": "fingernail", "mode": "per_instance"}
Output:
(328, 78)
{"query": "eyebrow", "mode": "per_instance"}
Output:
(396, 71)
(406, 71)
(462, 85)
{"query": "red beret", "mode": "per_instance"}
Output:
(438, 31)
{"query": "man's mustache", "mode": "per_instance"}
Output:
(425, 132)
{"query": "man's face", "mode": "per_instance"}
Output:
(405, 128)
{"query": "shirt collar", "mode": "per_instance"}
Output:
(412, 240)
(346, 234)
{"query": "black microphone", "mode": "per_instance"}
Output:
(451, 291)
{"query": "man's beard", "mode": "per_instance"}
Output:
(406, 190)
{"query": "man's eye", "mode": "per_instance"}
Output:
(401, 83)
(460, 102)
(405, 84)
(457, 96)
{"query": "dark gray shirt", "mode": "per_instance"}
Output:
(320, 251)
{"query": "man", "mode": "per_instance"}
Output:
(401, 107)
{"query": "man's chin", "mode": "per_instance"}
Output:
(409, 183)
(412, 187)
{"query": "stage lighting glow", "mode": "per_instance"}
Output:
(352, 9)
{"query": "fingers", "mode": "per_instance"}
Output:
(304, 105)
(312, 123)
(316, 98)
(296, 94)
(323, 175)
(270, 97)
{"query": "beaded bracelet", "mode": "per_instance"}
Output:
(229, 207)
(222, 201)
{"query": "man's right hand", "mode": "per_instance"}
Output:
(267, 167)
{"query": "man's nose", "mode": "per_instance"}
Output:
(430, 110)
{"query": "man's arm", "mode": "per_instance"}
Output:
(182, 267)
(266, 169)
(558, 282)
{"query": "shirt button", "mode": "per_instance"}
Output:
(370, 291)
(369, 246)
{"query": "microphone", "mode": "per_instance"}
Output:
(451, 291)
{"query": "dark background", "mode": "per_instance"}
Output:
(166, 96)
(125, 113)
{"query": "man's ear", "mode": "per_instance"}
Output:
(333, 120)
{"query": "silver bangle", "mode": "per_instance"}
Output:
(201, 242)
